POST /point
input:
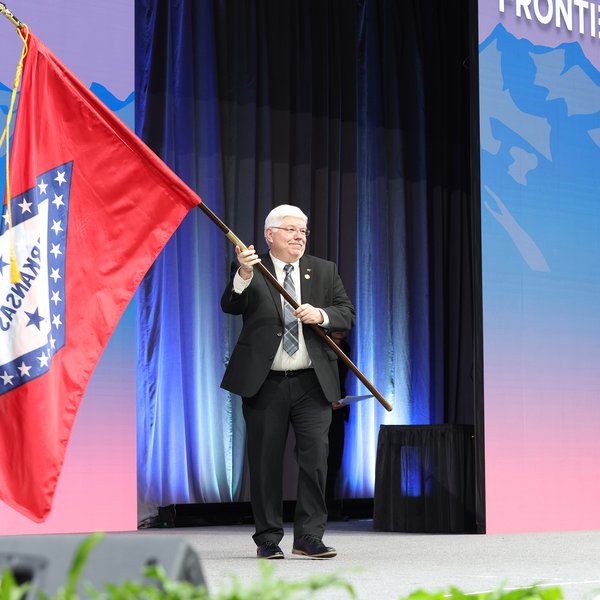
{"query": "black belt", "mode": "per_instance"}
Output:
(290, 373)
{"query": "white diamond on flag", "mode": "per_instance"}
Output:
(32, 311)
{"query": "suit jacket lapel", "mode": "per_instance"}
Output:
(306, 278)
(266, 259)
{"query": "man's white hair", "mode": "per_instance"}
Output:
(279, 213)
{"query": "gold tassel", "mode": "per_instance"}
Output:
(15, 274)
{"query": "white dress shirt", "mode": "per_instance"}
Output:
(283, 361)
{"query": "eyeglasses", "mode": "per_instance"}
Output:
(292, 230)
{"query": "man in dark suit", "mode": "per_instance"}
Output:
(286, 375)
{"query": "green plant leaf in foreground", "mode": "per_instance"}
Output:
(534, 592)
(267, 587)
(10, 589)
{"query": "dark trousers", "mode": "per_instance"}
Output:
(283, 401)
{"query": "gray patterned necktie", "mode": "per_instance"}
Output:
(290, 330)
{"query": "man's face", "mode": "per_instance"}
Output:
(287, 246)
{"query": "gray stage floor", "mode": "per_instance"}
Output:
(384, 566)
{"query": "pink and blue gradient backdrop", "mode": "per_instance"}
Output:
(97, 487)
(541, 329)
(540, 151)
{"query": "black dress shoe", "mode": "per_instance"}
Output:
(313, 546)
(269, 550)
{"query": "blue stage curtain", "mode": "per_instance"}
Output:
(190, 434)
(354, 112)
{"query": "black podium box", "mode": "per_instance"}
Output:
(424, 479)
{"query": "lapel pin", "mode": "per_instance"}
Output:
(307, 276)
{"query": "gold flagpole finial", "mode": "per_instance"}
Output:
(4, 10)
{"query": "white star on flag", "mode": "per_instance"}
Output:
(24, 369)
(6, 378)
(56, 298)
(25, 206)
(42, 187)
(56, 226)
(56, 321)
(56, 251)
(55, 275)
(58, 201)
(60, 178)
(43, 359)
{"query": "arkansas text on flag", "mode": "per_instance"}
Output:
(91, 208)
(32, 311)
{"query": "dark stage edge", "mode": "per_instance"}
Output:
(238, 513)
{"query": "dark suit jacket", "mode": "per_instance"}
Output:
(260, 307)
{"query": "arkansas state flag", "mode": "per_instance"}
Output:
(91, 206)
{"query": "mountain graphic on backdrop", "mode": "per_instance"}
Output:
(111, 101)
(530, 91)
(539, 137)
